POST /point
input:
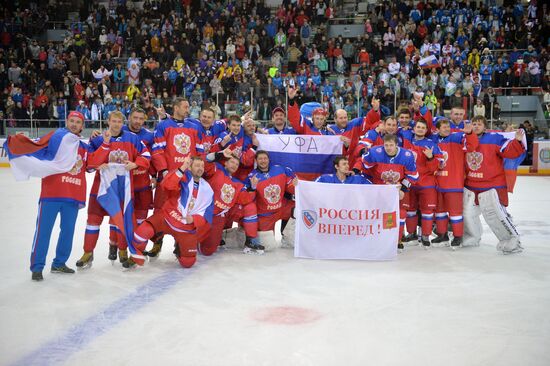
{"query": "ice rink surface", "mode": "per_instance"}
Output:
(436, 307)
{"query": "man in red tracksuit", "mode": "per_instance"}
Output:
(186, 215)
(450, 179)
(232, 203)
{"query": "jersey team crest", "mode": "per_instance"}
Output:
(390, 177)
(474, 160)
(77, 167)
(182, 143)
(228, 192)
(443, 163)
(272, 193)
(118, 156)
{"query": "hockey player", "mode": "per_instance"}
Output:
(242, 141)
(351, 131)
(420, 111)
(124, 148)
(143, 193)
(343, 174)
(450, 179)
(209, 129)
(391, 164)
(63, 194)
(423, 194)
(274, 186)
(374, 137)
(404, 118)
(186, 215)
(175, 138)
(232, 203)
(302, 125)
(457, 119)
(278, 119)
(485, 187)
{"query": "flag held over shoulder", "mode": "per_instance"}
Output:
(351, 221)
(53, 153)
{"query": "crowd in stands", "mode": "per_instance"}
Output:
(242, 51)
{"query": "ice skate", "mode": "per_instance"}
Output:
(129, 264)
(252, 246)
(411, 239)
(154, 253)
(62, 269)
(112, 253)
(456, 243)
(400, 247)
(37, 276)
(441, 240)
(510, 246)
(426, 242)
(123, 255)
(85, 261)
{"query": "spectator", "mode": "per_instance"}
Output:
(479, 108)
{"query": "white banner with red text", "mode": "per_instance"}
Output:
(346, 221)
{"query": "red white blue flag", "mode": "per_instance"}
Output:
(115, 196)
(51, 154)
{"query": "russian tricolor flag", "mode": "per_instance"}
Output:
(115, 196)
(51, 154)
(309, 156)
(429, 62)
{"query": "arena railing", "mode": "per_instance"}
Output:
(35, 128)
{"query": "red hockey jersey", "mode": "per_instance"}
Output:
(450, 173)
(485, 166)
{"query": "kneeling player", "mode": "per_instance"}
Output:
(343, 174)
(186, 215)
(274, 187)
(486, 189)
(232, 203)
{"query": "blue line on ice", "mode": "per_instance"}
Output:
(59, 350)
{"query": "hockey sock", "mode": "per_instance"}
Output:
(427, 224)
(441, 223)
(411, 222)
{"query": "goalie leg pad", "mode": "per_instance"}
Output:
(499, 221)
(288, 234)
(472, 222)
(267, 239)
(234, 238)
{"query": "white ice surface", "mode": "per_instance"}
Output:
(437, 307)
